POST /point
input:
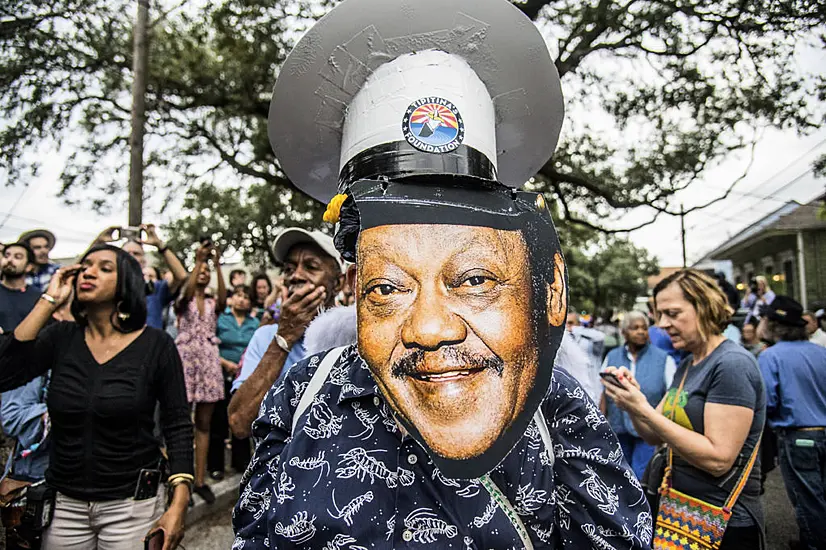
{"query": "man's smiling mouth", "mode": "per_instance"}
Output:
(448, 376)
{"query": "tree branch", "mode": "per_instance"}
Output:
(230, 159)
(569, 217)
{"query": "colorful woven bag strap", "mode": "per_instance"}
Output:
(744, 477)
(666, 484)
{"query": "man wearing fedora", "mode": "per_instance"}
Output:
(41, 241)
(446, 425)
(794, 370)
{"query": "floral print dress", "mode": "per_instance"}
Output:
(198, 347)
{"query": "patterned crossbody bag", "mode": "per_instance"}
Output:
(689, 523)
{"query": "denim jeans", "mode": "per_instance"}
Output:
(105, 525)
(803, 465)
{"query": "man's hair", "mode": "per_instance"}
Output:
(779, 332)
(632, 317)
(702, 292)
(130, 292)
(25, 246)
(235, 272)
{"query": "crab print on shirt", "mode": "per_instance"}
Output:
(347, 479)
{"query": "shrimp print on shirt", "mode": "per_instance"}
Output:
(348, 479)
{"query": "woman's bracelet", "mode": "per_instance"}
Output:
(178, 479)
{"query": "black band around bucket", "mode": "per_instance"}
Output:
(400, 160)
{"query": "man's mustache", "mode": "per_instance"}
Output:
(413, 362)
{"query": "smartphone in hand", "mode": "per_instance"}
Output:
(154, 541)
(611, 378)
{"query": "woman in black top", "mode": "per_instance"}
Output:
(108, 372)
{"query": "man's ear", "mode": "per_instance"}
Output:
(339, 284)
(351, 276)
(557, 305)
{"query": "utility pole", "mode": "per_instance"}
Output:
(682, 232)
(139, 68)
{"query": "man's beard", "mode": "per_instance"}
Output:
(411, 363)
(12, 272)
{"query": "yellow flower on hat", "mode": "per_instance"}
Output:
(333, 212)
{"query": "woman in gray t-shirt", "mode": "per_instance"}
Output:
(717, 402)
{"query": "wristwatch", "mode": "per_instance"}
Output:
(282, 343)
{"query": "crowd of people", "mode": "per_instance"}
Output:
(88, 357)
(689, 364)
(103, 403)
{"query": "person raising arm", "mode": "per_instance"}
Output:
(108, 372)
(197, 324)
(312, 279)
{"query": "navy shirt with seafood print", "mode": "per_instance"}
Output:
(348, 479)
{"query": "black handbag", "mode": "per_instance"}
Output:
(652, 477)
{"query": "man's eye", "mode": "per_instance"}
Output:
(384, 290)
(475, 281)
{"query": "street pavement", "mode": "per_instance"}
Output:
(214, 532)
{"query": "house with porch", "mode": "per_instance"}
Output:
(788, 247)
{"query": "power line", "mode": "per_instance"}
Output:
(8, 214)
(48, 224)
(789, 165)
(762, 198)
(75, 239)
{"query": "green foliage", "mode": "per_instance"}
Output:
(604, 271)
(243, 221)
(669, 88)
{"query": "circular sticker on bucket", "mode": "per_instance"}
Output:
(433, 125)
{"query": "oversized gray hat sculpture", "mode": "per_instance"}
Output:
(334, 59)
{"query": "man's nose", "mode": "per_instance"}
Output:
(298, 276)
(431, 324)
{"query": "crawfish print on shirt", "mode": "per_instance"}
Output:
(347, 479)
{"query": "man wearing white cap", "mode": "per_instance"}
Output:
(447, 425)
(313, 277)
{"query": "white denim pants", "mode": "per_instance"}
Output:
(105, 525)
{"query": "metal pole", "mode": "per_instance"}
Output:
(801, 267)
(682, 232)
(139, 66)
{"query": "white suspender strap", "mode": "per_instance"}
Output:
(502, 501)
(318, 379)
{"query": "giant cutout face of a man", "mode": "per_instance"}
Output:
(447, 325)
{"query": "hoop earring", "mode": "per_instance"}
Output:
(121, 315)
